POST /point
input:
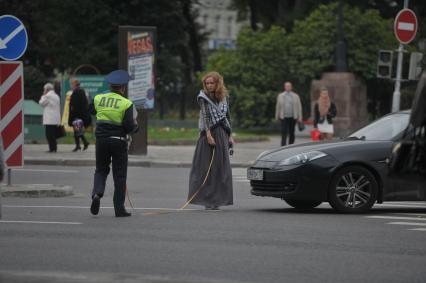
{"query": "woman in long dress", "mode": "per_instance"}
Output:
(212, 147)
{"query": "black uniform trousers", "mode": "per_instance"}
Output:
(288, 126)
(114, 149)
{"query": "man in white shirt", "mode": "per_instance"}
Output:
(289, 111)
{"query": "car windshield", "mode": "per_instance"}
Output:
(384, 129)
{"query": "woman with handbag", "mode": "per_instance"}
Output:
(210, 180)
(51, 115)
(324, 112)
(79, 116)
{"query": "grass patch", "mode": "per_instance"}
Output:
(164, 134)
(167, 133)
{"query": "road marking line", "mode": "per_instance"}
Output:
(407, 223)
(407, 202)
(86, 207)
(396, 217)
(400, 205)
(40, 222)
(414, 214)
(45, 170)
(418, 229)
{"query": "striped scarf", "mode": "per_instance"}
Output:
(215, 111)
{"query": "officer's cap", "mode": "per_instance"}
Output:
(118, 77)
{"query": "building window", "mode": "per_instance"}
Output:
(217, 26)
(230, 24)
(205, 21)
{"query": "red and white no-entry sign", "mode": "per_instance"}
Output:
(11, 112)
(405, 26)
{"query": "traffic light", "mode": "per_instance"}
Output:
(415, 65)
(384, 65)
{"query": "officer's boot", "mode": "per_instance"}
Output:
(96, 202)
(119, 198)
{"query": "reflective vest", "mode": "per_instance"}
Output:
(110, 107)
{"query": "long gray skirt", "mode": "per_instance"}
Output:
(217, 191)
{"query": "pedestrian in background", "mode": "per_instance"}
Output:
(215, 135)
(324, 112)
(288, 110)
(79, 116)
(51, 115)
(114, 120)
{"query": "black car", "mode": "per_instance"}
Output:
(351, 174)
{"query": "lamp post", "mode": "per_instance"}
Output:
(340, 43)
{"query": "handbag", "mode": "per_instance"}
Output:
(300, 125)
(60, 131)
(315, 135)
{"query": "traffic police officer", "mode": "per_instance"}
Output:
(114, 120)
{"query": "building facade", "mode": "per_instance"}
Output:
(220, 22)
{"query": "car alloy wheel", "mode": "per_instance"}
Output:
(353, 190)
(302, 204)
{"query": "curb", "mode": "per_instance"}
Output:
(131, 163)
(36, 191)
(193, 142)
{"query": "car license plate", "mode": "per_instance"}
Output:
(254, 174)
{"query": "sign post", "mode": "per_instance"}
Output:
(137, 55)
(405, 28)
(13, 43)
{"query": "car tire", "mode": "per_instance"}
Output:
(302, 204)
(353, 189)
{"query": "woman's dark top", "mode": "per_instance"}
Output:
(332, 112)
(79, 108)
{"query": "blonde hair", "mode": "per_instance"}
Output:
(221, 92)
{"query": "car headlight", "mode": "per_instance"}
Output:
(301, 158)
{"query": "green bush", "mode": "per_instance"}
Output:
(251, 108)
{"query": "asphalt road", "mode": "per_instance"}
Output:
(256, 240)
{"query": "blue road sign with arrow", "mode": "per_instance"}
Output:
(13, 38)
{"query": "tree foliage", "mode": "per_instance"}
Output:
(66, 34)
(312, 43)
(253, 70)
(264, 59)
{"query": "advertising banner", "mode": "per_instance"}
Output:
(140, 62)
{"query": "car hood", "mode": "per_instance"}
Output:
(331, 148)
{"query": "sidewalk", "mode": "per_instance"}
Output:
(158, 156)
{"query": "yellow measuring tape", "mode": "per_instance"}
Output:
(194, 195)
